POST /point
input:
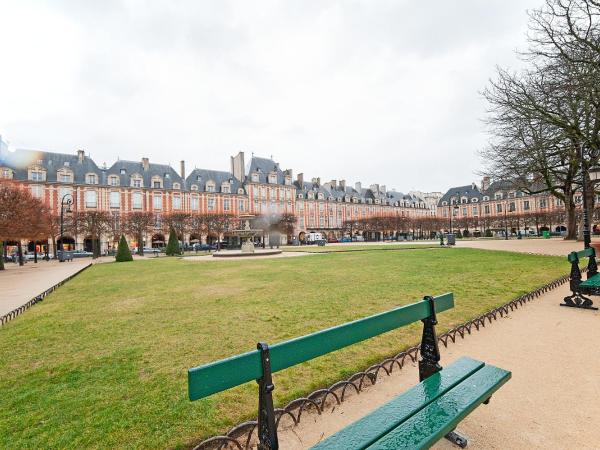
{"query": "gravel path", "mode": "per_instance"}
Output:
(552, 400)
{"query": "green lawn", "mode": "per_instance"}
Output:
(102, 362)
(359, 247)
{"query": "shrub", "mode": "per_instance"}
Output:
(488, 233)
(459, 234)
(173, 244)
(123, 253)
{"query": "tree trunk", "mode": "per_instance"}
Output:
(35, 252)
(20, 252)
(94, 248)
(1, 255)
(140, 244)
(54, 246)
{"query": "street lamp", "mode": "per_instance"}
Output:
(594, 174)
(453, 211)
(66, 201)
(505, 224)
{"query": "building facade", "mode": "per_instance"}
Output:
(257, 188)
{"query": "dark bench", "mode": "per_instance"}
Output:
(580, 288)
(415, 419)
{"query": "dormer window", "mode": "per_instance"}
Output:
(226, 188)
(65, 176)
(210, 186)
(67, 163)
(498, 196)
(167, 175)
(123, 171)
(91, 178)
(157, 183)
(255, 177)
(474, 200)
(194, 187)
(136, 181)
(176, 186)
(300, 196)
(320, 196)
(273, 178)
(6, 173)
(36, 175)
(113, 180)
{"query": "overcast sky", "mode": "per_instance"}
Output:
(374, 91)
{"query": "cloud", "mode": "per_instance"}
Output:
(377, 91)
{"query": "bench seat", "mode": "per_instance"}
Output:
(593, 282)
(422, 415)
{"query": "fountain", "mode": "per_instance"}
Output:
(246, 234)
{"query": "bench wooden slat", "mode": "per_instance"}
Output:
(227, 373)
(372, 427)
(592, 282)
(575, 256)
(441, 416)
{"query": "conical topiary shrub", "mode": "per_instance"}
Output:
(123, 253)
(173, 244)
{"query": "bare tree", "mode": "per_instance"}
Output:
(137, 224)
(94, 224)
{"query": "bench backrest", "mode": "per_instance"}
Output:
(576, 256)
(227, 373)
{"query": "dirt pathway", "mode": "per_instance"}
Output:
(552, 401)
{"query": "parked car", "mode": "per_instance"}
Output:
(332, 240)
(81, 254)
(205, 247)
(31, 256)
(358, 239)
(346, 239)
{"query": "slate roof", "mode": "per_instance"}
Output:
(264, 166)
(20, 160)
(166, 172)
(470, 191)
(200, 177)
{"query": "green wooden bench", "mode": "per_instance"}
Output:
(415, 419)
(579, 288)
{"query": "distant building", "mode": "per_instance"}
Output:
(3, 147)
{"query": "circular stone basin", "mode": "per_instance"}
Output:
(239, 253)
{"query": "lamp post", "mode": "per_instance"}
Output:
(594, 174)
(67, 200)
(453, 211)
(505, 224)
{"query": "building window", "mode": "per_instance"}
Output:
(194, 187)
(542, 203)
(464, 211)
(90, 178)
(255, 177)
(115, 200)
(511, 207)
(122, 171)
(5, 173)
(499, 208)
(226, 204)
(156, 184)
(194, 203)
(91, 199)
(36, 175)
(64, 191)
(177, 202)
(113, 181)
(487, 209)
(526, 205)
(210, 187)
(241, 205)
(475, 210)
(157, 201)
(36, 190)
(226, 188)
(64, 177)
(211, 204)
(273, 178)
(137, 183)
(176, 186)
(137, 200)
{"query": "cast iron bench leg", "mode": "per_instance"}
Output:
(457, 439)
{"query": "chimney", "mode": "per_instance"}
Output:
(358, 186)
(374, 188)
(80, 156)
(145, 163)
(316, 181)
(300, 179)
(382, 188)
(333, 184)
(238, 169)
(182, 169)
(343, 185)
(485, 183)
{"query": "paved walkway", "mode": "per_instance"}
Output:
(554, 246)
(552, 400)
(21, 284)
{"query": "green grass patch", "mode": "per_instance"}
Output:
(102, 362)
(359, 247)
